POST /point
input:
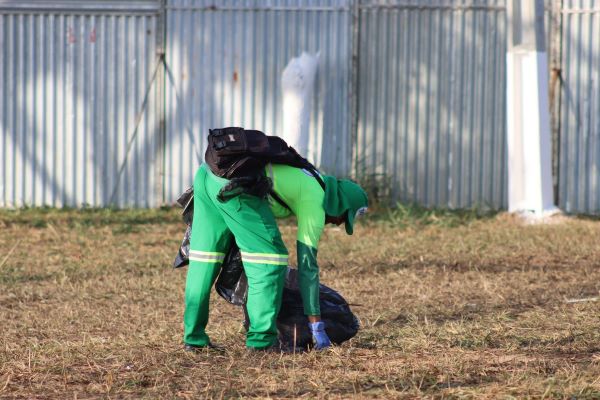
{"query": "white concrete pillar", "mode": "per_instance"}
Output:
(528, 112)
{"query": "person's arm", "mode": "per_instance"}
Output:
(311, 221)
(310, 227)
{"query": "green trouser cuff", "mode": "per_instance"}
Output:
(308, 278)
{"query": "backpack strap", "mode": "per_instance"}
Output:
(315, 173)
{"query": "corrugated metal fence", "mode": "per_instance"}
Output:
(72, 78)
(431, 104)
(225, 62)
(579, 156)
(410, 95)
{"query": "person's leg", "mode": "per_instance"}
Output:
(265, 261)
(265, 288)
(209, 241)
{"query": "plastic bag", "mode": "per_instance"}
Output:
(186, 200)
(232, 284)
(292, 325)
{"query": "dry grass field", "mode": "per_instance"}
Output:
(451, 305)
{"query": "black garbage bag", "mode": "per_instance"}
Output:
(232, 284)
(292, 325)
(186, 200)
(340, 323)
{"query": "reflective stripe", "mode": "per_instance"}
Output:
(206, 259)
(247, 257)
(258, 261)
(206, 256)
(267, 255)
(265, 258)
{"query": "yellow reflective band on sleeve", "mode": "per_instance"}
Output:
(265, 258)
(206, 256)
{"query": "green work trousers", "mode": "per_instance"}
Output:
(250, 221)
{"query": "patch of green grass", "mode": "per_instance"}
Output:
(10, 275)
(410, 214)
(124, 229)
(42, 216)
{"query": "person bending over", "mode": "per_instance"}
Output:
(250, 221)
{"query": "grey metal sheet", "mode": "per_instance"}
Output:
(428, 90)
(579, 178)
(225, 62)
(77, 6)
(432, 101)
(72, 85)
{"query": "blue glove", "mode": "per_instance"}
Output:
(319, 335)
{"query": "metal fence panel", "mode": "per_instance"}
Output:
(73, 78)
(88, 7)
(432, 101)
(427, 117)
(579, 175)
(225, 62)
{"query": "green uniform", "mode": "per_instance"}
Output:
(304, 195)
(264, 257)
(251, 220)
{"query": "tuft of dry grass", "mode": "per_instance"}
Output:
(451, 305)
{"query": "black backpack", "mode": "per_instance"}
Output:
(238, 152)
(241, 155)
